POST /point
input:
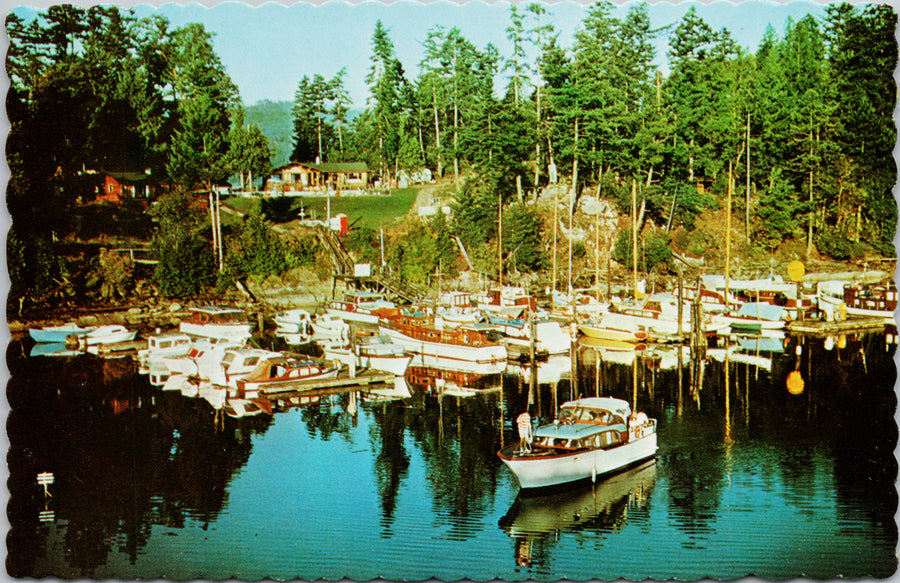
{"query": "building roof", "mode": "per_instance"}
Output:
(334, 167)
(338, 167)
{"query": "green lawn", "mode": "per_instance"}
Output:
(373, 211)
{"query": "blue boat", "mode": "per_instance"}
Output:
(58, 333)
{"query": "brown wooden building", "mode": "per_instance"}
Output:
(299, 176)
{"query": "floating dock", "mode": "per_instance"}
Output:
(823, 328)
(284, 390)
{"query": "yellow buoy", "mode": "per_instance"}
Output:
(796, 270)
(795, 383)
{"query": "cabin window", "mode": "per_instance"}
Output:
(228, 358)
(252, 361)
(606, 438)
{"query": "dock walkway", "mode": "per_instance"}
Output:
(818, 327)
(282, 390)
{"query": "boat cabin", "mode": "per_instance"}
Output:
(216, 315)
(592, 423)
(876, 297)
(168, 342)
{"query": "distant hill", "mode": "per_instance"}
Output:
(274, 120)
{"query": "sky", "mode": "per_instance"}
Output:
(267, 49)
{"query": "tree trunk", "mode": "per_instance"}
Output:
(455, 144)
(437, 136)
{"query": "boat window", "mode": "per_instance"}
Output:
(606, 438)
(587, 415)
(252, 361)
(165, 344)
(228, 358)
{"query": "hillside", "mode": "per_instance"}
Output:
(274, 119)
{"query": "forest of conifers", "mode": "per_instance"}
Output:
(805, 122)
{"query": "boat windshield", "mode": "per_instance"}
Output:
(588, 415)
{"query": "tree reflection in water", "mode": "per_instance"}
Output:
(125, 458)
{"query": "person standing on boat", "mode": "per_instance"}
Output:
(523, 422)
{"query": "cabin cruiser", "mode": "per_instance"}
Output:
(359, 306)
(375, 351)
(217, 322)
(590, 438)
(417, 332)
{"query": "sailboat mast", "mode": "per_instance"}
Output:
(500, 239)
(634, 258)
(728, 235)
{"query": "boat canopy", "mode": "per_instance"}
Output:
(762, 311)
(617, 406)
(575, 430)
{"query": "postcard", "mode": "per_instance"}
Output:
(451, 290)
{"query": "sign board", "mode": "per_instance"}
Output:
(362, 270)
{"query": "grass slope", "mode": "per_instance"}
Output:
(373, 211)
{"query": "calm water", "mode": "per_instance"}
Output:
(750, 479)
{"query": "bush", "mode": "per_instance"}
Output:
(654, 250)
(836, 245)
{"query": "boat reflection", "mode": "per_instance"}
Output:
(451, 377)
(596, 507)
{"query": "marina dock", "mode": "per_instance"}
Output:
(818, 327)
(283, 390)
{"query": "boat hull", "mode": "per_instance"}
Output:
(56, 334)
(479, 354)
(556, 470)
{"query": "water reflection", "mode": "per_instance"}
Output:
(134, 465)
(536, 522)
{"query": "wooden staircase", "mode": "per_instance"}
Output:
(343, 269)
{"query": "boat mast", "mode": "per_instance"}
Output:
(634, 235)
(728, 236)
(597, 239)
(555, 219)
(500, 239)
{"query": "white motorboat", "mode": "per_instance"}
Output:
(549, 334)
(359, 306)
(416, 332)
(109, 334)
(234, 364)
(377, 352)
(217, 322)
(330, 327)
(162, 345)
(296, 321)
(589, 439)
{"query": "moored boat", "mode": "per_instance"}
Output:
(596, 329)
(872, 300)
(590, 438)
(109, 334)
(217, 322)
(359, 306)
(375, 351)
(282, 372)
(59, 333)
(416, 331)
(162, 345)
(296, 321)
